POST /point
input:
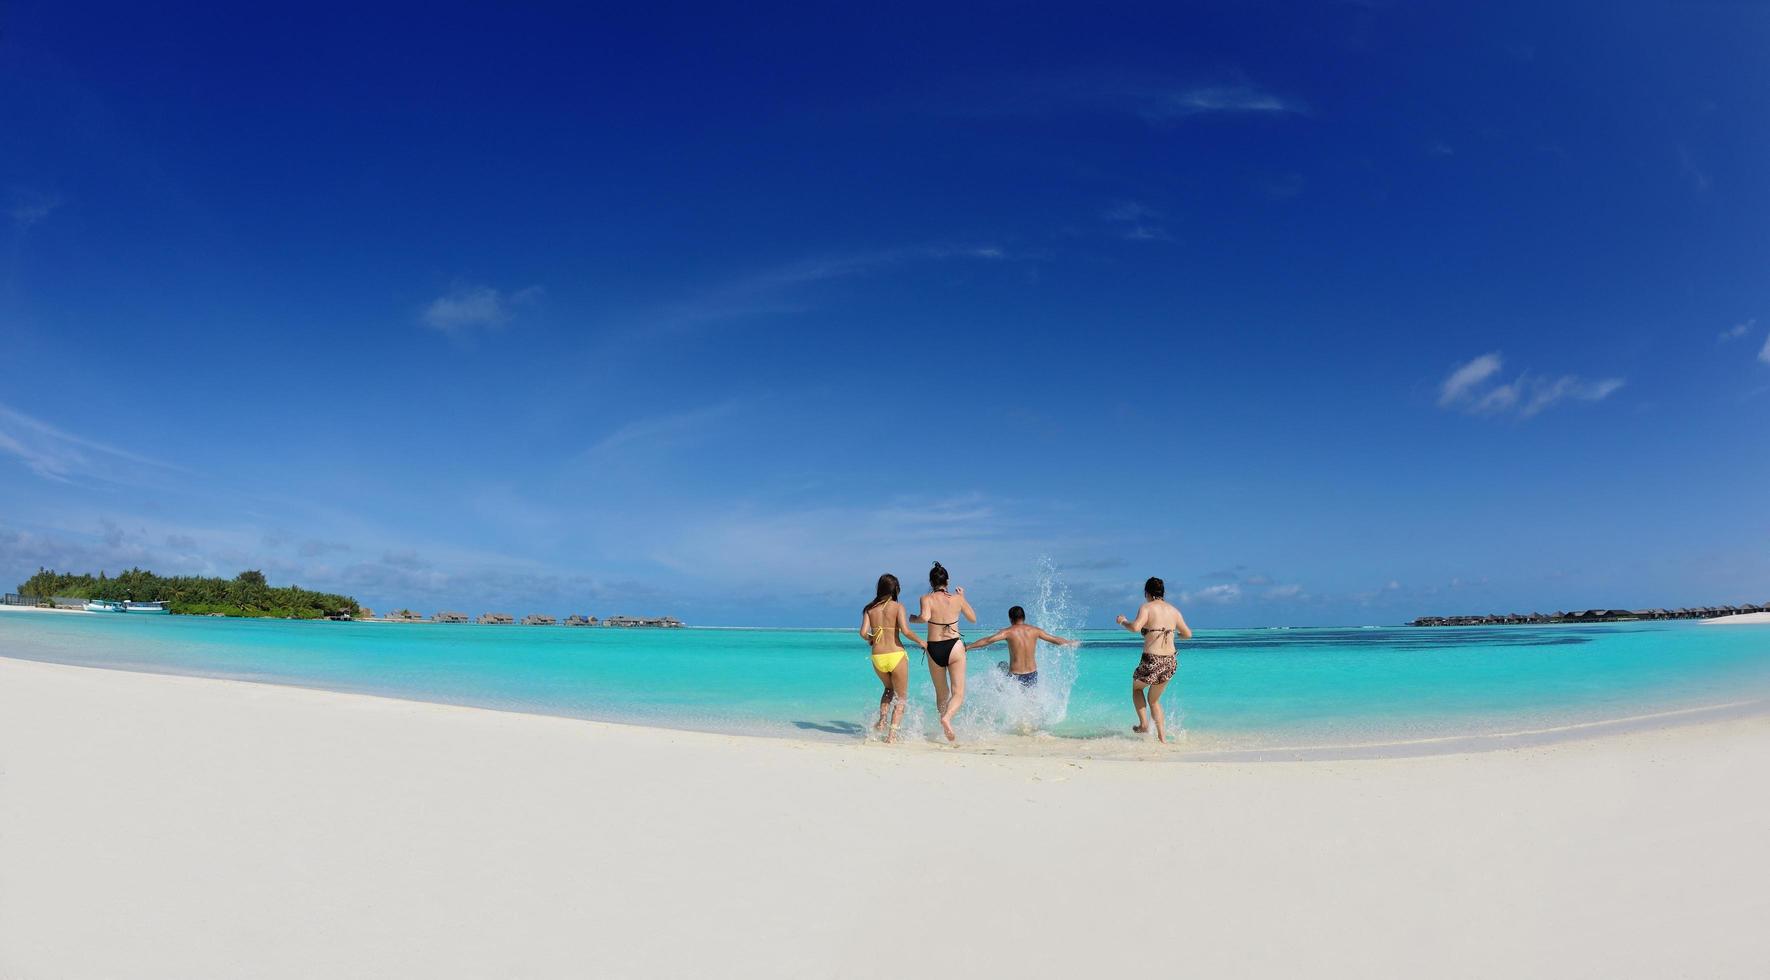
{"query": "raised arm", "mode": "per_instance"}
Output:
(1056, 640)
(1183, 631)
(965, 604)
(995, 637)
(1142, 620)
(903, 629)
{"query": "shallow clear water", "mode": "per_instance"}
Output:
(1235, 689)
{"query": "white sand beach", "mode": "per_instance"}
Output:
(1742, 619)
(157, 826)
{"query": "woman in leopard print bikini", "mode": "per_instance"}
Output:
(1160, 624)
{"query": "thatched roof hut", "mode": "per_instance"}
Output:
(539, 619)
(496, 619)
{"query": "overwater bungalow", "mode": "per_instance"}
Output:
(496, 619)
(539, 619)
(628, 622)
(405, 616)
(450, 617)
(578, 619)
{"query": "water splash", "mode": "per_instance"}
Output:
(997, 704)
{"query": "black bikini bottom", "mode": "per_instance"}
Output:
(940, 650)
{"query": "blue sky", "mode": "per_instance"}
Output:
(1336, 313)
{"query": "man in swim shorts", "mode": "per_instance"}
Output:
(1023, 647)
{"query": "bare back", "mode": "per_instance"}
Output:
(1023, 648)
(882, 623)
(941, 611)
(1161, 624)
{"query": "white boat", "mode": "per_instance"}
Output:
(113, 606)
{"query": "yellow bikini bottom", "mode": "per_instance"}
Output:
(885, 663)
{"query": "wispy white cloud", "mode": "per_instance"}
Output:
(1737, 331)
(783, 289)
(470, 307)
(1468, 389)
(383, 577)
(1764, 352)
(1136, 222)
(662, 430)
(30, 207)
(1205, 99)
(1692, 171)
(64, 457)
(759, 544)
(1461, 381)
(1225, 592)
(1156, 99)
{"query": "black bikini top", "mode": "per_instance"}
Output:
(1166, 629)
(954, 624)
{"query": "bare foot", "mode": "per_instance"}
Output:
(1140, 729)
(947, 726)
(891, 736)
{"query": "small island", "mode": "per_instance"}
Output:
(246, 594)
(1590, 616)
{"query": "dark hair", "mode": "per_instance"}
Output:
(888, 589)
(937, 577)
(1154, 588)
(1016, 615)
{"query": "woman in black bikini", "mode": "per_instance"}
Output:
(946, 648)
(1160, 624)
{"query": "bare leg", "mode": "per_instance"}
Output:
(1155, 708)
(900, 692)
(955, 669)
(937, 674)
(884, 702)
(1142, 707)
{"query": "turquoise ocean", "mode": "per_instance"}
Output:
(1237, 690)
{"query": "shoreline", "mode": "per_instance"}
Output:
(1740, 619)
(166, 826)
(1110, 747)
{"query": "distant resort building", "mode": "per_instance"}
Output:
(450, 617)
(539, 619)
(495, 619)
(577, 619)
(1590, 616)
(665, 622)
(405, 616)
(364, 612)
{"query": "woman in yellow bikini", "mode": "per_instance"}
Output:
(882, 622)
